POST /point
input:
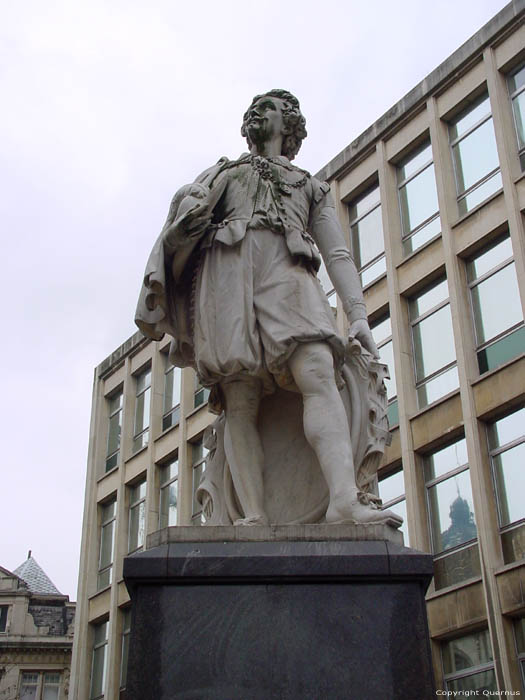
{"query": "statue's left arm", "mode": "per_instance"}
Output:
(327, 233)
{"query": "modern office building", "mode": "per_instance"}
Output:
(36, 635)
(432, 199)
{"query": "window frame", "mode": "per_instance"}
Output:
(124, 645)
(196, 509)
(200, 393)
(95, 646)
(112, 459)
(471, 670)
(355, 221)
(462, 196)
(166, 485)
(173, 414)
(141, 437)
(140, 505)
(512, 96)
(104, 523)
(4, 618)
(405, 237)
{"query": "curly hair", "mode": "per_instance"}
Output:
(292, 117)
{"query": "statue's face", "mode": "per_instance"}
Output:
(265, 119)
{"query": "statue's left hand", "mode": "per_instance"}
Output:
(360, 330)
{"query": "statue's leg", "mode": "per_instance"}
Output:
(327, 431)
(242, 445)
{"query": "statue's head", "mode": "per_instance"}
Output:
(294, 122)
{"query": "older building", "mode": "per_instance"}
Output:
(431, 198)
(36, 635)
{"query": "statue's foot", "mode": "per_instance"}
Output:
(357, 513)
(252, 520)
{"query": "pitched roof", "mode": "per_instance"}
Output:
(36, 578)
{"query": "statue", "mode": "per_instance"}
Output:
(232, 279)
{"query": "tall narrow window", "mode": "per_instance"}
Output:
(114, 428)
(28, 686)
(516, 83)
(507, 452)
(126, 632)
(326, 284)
(142, 410)
(201, 393)
(418, 200)
(433, 341)
(169, 485)
(199, 453)
(172, 384)
(366, 227)
(98, 669)
(382, 333)
(475, 156)
(500, 333)
(137, 516)
(3, 618)
(453, 530)
(468, 663)
(392, 493)
(107, 541)
(519, 634)
(50, 686)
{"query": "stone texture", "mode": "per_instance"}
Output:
(279, 619)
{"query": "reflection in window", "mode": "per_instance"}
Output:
(142, 410)
(475, 156)
(507, 453)
(392, 493)
(468, 663)
(126, 632)
(418, 201)
(453, 530)
(201, 393)
(137, 516)
(199, 454)
(98, 669)
(169, 484)
(107, 544)
(172, 384)
(326, 284)
(516, 83)
(366, 227)
(382, 333)
(114, 430)
(500, 333)
(433, 342)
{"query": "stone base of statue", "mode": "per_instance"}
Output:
(291, 613)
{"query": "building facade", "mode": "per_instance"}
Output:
(432, 199)
(36, 635)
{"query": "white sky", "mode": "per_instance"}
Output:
(109, 106)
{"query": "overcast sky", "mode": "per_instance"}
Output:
(109, 106)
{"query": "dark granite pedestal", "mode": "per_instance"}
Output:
(288, 619)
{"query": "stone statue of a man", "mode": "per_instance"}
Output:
(232, 278)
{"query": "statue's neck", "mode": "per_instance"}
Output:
(268, 149)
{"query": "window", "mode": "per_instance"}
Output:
(500, 333)
(142, 409)
(98, 670)
(326, 284)
(475, 155)
(172, 383)
(137, 516)
(453, 530)
(392, 493)
(516, 83)
(115, 425)
(3, 618)
(107, 542)
(519, 635)
(199, 453)
(169, 485)
(366, 234)
(433, 341)
(382, 334)
(126, 632)
(39, 686)
(507, 454)
(418, 200)
(468, 663)
(201, 393)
